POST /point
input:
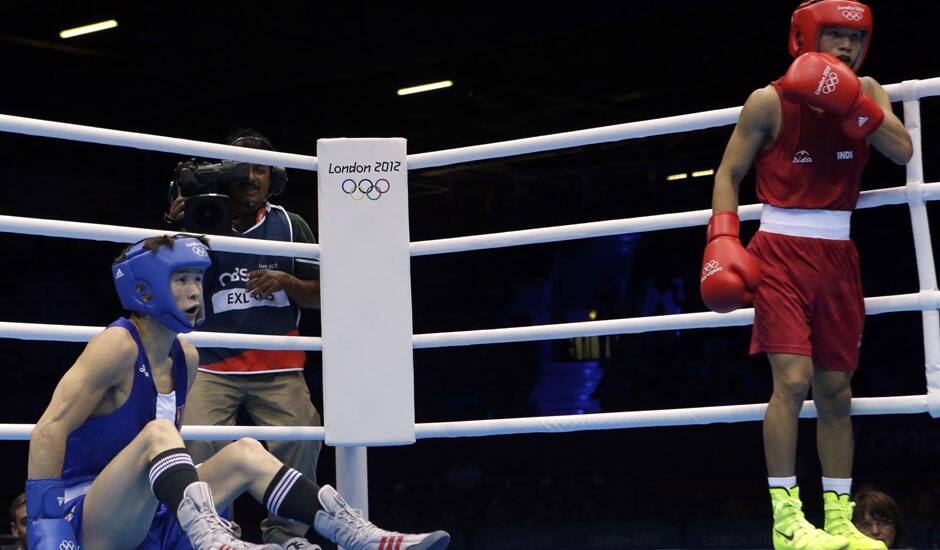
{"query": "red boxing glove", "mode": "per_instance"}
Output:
(821, 80)
(730, 274)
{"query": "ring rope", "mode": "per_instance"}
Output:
(725, 414)
(919, 301)
(577, 138)
(657, 222)
(906, 90)
(79, 333)
(123, 234)
(150, 142)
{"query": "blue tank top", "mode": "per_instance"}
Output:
(100, 438)
(231, 309)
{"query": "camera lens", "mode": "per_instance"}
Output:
(209, 214)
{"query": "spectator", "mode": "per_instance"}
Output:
(878, 516)
(18, 521)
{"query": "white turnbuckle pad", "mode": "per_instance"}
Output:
(365, 278)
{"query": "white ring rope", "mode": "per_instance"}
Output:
(725, 414)
(920, 301)
(915, 193)
(122, 234)
(911, 89)
(577, 138)
(657, 222)
(150, 142)
(79, 333)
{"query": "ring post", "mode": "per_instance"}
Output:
(365, 281)
(351, 479)
(923, 249)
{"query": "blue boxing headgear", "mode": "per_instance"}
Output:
(142, 279)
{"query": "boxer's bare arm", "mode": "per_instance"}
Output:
(106, 362)
(192, 361)
(757, 128)
(891, 138)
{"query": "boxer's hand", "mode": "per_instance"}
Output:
(863, 118)
(822, 81)
(730, 274)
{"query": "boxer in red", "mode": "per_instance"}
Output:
(808, 135)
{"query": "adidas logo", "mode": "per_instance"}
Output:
(119, 274)
(862, 120)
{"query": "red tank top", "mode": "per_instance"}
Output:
(812, 164)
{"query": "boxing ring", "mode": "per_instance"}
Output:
(351, 461)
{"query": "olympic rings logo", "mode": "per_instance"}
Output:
(66, 545)
(199, 251)
(366, 188)
(831, 83)
(852, 15)
(710, 268)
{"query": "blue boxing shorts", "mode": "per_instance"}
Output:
(165, 532)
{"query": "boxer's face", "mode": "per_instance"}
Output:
(186, 286)
(841, 42)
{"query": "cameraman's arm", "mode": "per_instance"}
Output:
(305, 293)
(307, 270)
(303, 287)
(174, 216)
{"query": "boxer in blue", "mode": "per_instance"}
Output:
(107, 466)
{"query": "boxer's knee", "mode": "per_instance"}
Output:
(160, 435)
(792, 387)
(832, 402)
(793, 377)
(249, 447)
(249, 456)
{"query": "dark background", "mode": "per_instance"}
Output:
(299, 71)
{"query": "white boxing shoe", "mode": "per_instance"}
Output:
(205, 529)
(346, 527)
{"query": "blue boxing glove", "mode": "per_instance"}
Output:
(48, 529)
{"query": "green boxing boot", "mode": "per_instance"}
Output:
(792, 531)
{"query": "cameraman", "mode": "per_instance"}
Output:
(256, 294)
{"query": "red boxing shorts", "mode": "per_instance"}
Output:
(810, 301)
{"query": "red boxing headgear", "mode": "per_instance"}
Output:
(809, 19)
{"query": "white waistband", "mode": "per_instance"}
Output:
(77, 491)
(816, 224)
